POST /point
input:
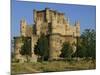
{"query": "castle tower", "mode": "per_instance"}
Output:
(77, 24)
(55, 38)
(17, 47)
(38, 19)
(23, 26)
(47, 15)
(34, 17)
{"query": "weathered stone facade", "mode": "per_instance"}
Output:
(51, 23)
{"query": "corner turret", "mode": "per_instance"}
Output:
(23, 25)
(77, 24)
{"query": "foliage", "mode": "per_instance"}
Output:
(42, 47)
(66, 50)
(86, 45)
(26, 48)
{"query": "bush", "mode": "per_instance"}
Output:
(66, 50)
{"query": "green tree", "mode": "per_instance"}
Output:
(89, 41)
(26, 48)
(42, 47)
(87, 44)
(66, 50)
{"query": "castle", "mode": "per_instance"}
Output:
(48, 22)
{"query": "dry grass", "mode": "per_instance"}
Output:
(52, 66)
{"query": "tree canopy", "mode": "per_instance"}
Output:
(87, 44)
(66, 50)
(42, 47)
(26, 48)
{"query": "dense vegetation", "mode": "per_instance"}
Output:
(42, 47)
(26, 48)
(87, 44)
(66, 50)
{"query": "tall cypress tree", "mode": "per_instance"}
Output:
(66, 50)
(42, 48)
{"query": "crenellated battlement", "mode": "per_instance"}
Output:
(57, 21)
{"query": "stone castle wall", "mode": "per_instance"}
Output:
(54, 24)
(25, 29)
(58, 27)
(59, 24)
(17, 46)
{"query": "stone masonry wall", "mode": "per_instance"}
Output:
(52, 23)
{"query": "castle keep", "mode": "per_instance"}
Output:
(52, 23)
